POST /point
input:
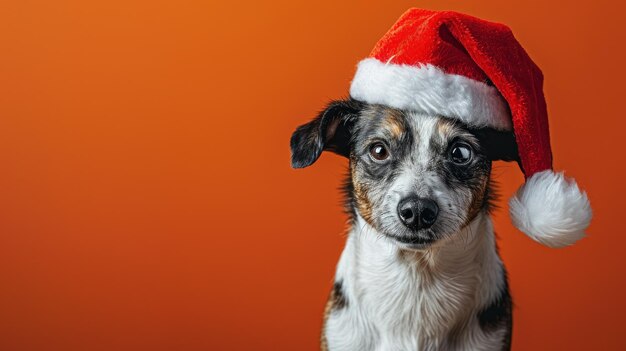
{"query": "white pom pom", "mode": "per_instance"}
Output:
(551, 209)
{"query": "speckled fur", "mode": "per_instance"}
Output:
(450, 294)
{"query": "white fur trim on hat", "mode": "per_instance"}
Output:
(428, 89)
(551, 209)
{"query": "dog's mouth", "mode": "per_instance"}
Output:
(408, 239)
(413, 242)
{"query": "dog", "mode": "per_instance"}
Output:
(420, 269)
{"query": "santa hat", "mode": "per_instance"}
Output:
(462, 67)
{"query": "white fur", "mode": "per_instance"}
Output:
(413, 300)
(428, 89)
(551, 209)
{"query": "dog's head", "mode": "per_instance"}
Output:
(416, 178)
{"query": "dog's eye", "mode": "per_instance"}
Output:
(461, 153)
(379, 152)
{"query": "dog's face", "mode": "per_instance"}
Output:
(416, 178)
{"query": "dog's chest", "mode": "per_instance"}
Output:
(396, 304)
(412, 307)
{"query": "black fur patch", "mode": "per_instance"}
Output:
(349, 205)
(497, 145)
(499, 314)
(330, 130)
(338, 298)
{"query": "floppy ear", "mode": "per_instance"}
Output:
(498, 145)
(330, 130)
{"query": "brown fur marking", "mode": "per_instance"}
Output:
(478, 199)
(444, 128)
(361, 196)
(394, 123)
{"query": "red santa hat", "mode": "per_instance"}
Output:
(462, 67)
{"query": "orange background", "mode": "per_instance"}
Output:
(146, 198)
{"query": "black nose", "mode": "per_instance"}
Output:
(418, 213)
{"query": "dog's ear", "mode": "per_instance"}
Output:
(498, 145)
(330, 130)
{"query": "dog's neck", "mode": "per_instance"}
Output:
(431, 292)
(473, 244)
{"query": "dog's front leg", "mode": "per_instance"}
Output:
(345, 328)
